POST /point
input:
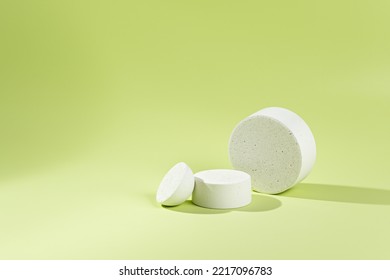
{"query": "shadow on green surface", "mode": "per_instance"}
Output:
(260, 203)
(190, 208)
(336, 193)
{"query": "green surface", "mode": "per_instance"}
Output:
(99, 99)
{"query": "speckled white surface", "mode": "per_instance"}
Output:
(176, 186)
(275, 146)
(222, 189)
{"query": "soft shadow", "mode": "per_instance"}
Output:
(339, 194)
(190, 208)
(261, 203)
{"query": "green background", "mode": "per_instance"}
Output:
(98, 99)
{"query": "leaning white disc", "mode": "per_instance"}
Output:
(176, 186)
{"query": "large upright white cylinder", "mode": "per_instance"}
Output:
(275, 146)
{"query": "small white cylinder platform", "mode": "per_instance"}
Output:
(222, 189)
(275, 146)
